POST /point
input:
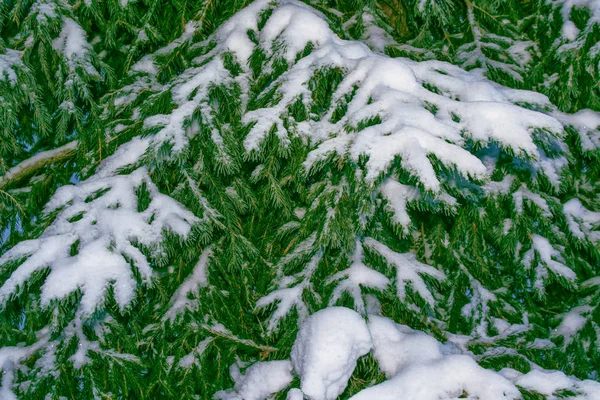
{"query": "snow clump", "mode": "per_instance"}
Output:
(326, 350)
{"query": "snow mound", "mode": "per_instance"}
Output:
(446, 378)
(397, 346)
(326, 349)
(260, 381)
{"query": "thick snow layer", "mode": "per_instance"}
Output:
(417, 365)
(296, 25)
(446, 378)
(396, 347)
(295, 394)
(232, 35)
(259, 381)
(326, 350)
(263, 379)
(421, 368)
(5, 392)
(377, 38)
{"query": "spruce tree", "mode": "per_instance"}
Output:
(235, 199)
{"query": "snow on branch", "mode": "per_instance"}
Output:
(408, 270)
(190, 90)
(10, 63)
(197, 278)
(543, 257)
(569, 30)
(260, 381)
(75, 48)
(416, 365)
(357, 275)
(11, 357)
(583, 223)
(40, 160)
(326, 350)
(398, 196)
(96, 236)
(290, 292)
(395, 107)
(393, 91)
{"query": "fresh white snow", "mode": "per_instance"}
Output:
(446, 378)
(418, 367)
(259, 381)
(195, 280)
(326, 350)
(10, 61)
(102, 231)
(550, 259)
(358, 274)
(408, 270)
(396, 347)
(413, 124)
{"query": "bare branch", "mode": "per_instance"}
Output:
(40, 160)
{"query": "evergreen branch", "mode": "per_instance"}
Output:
(13, 200)
(221, 332)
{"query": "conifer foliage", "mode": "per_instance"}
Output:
(281, 199)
